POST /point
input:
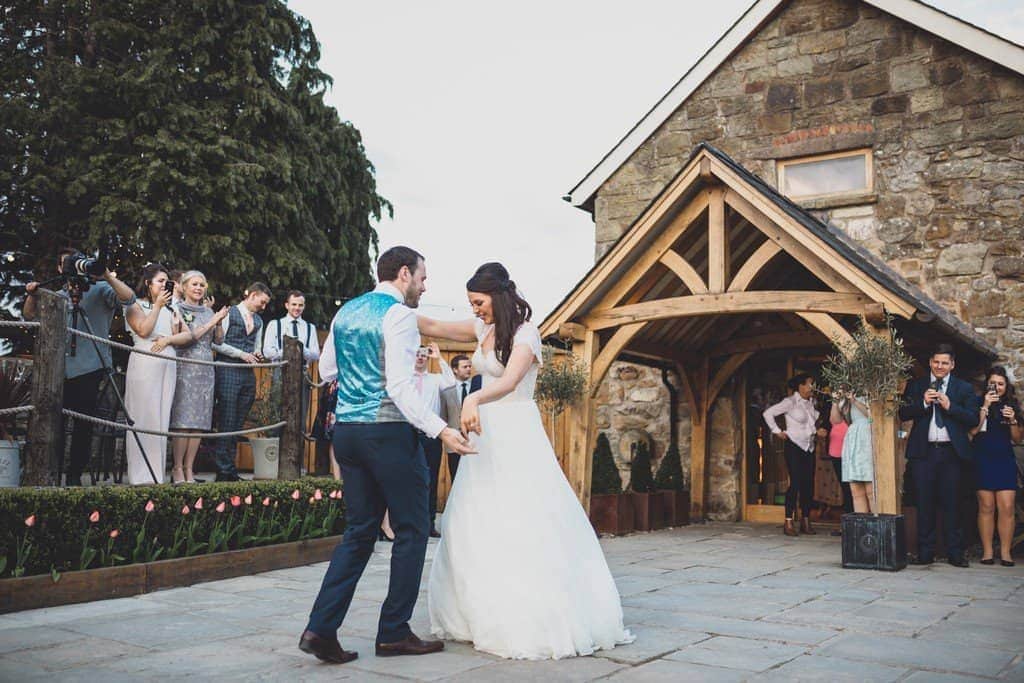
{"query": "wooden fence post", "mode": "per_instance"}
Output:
(46, 425)
(292, 386)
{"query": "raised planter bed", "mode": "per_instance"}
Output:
(612, 513)
(31, 592)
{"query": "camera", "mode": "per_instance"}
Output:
(81, 265)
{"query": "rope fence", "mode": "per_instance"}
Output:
(181, 435)
(19, 323)
(315, 385)
(195, 361)
(15, 411)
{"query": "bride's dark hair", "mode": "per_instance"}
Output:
(509, 309)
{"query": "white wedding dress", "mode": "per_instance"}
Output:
(519, 571)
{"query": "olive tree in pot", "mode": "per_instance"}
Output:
(15, 391)
(266, 444)
(675, 500)
(870, 367)
(611, 511)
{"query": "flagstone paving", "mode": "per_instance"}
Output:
(729, 602)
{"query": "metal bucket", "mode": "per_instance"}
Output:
(10, 463)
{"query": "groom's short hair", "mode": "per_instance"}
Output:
(392, 260)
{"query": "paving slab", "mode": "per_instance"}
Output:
(709, 602)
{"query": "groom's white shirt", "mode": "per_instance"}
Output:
(401, 339)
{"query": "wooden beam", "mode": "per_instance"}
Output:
(718, 243)
(883, 440)
(791, 245)
(674, 262)
(652, 254)
(846, 270)
(610, 351)
(581, 427)
(874, 315)
(765, 342)
(728, 302)
(722, 375)
(571, 331)
(629, 243)
(753, 265)
(46, 421)
(827, 325)
(699, 431)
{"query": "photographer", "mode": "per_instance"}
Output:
(98, 293)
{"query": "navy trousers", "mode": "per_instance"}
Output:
(937, 488)
(432, 451)
(383, 468)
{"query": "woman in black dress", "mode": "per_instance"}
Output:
(999, 427)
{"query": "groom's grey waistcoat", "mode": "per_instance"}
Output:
(359, 348)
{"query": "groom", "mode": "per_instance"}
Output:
(371, 350)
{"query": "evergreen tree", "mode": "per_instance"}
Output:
(640, 478)
(670, 471)
(195, 131)
(605, 476)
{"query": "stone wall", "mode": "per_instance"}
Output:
(946, 127)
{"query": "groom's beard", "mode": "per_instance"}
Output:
(412, 300)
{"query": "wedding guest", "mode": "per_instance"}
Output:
(192, 410)
(83, 369)
(292, 325)
(857, 457)
(236, 387)
(836, 436)
(452, 398)
(799, 437)
(149, 382)
(998, 428)
(428, 387)
(943, 409)
(323, 427)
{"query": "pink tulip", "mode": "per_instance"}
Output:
(30, 520)
(95, 516)
(149, 506)
(235, 501)
(198, 504)
(312, 500)
(266, 501)
(220, 508)
(115, 533)
(248, 499)
(185, 510)
(318, 494)
(296, 495)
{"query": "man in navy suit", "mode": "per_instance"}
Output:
(943, 409)
(452, 398)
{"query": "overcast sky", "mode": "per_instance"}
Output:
(480, 117)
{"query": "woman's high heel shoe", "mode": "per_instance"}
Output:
(177, 479)
(988, 561)
(1007, 563)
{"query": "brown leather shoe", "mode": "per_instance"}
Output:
(409, 646)
(789, 529)
(805, 527)
(325, 649)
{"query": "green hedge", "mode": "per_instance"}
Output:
(48, 530)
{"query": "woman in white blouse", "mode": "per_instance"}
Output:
(799, 436)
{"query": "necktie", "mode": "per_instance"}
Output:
(295, 328)
(464, 393)
(939, 422)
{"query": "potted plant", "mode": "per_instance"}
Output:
(266, 444)
(871, 367)
(646, 504)
(15, 391)
(611, 512)
(560, 382)
(675, 501)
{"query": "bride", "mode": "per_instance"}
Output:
(518, 571)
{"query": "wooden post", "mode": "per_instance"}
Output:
(699, 432)
(47, 423)
(292, 386)
(883, 441)
(581, 426)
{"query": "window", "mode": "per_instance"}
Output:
(837, 175)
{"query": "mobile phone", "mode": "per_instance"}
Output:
(169, 287)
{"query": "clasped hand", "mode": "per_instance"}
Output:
(933, 396)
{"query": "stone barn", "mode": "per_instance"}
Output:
(825, 162)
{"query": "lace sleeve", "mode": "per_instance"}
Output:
(529, 335)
